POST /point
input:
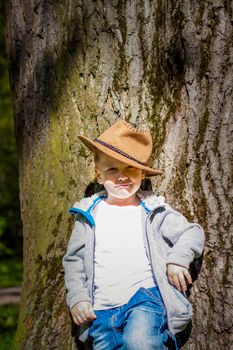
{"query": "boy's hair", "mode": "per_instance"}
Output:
(96, 156)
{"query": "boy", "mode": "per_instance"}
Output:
(127, 262)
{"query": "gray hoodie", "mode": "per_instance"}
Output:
(168, 238)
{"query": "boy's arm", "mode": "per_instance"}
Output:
(73, 263)
(187, 239)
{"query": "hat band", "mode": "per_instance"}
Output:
(115, 149)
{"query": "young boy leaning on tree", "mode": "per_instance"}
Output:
(128, 258)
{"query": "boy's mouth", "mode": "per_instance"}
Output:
(123, 185)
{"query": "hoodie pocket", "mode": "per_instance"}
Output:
(181, 313)
(181, 297)
(180, 307)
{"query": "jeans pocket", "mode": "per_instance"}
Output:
(154, 294)
(117, 327)
(117, 323)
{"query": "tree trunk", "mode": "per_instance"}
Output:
(77, 66)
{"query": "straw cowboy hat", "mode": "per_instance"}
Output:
(125, 142)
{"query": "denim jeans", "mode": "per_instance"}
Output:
(141, 324)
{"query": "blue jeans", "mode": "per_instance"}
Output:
(139, 324)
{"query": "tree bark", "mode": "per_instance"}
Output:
(76, 67)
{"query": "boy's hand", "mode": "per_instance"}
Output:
(179, 276)
(82, 313)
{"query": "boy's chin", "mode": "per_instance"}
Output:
(125, 195)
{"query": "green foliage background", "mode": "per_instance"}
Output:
(10, 225)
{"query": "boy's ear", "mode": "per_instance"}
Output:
(143, 175)
(98, 176)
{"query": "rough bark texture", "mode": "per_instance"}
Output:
(77, 66)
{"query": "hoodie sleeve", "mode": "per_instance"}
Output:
(73, 263)
(186, 239)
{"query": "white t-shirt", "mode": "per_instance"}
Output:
(121, 263)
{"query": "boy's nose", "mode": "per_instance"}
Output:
(122, 175)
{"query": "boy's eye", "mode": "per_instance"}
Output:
(130, 167)
(111, 170)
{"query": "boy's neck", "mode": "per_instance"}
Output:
(133, 200)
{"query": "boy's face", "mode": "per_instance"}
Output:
(119, 179)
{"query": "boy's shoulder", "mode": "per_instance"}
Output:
(87, 202)
(151, 199)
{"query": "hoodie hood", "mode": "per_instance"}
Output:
(148, 200)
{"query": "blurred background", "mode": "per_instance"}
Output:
(10, 225)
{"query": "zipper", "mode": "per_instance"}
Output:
(93, 251)
(148, 246)
(93, 269)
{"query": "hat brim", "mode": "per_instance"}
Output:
(93, 146)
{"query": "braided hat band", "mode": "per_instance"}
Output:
(119, 151)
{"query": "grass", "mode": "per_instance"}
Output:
(10, 275)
